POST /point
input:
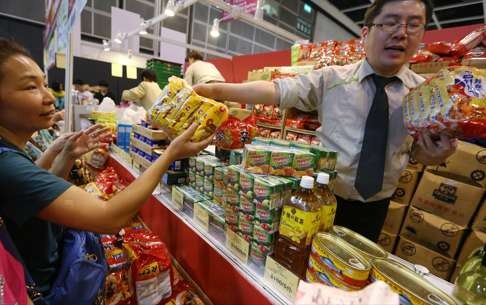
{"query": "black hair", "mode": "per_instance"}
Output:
(149, 75)
(103, 83)
(78, 82)
(56, 86)
(9, 48)
(194, 55)
(377, 6)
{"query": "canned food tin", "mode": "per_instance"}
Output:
(411, 287)
(364, 246)
(338, 260)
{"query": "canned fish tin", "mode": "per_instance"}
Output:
(259, 253)
(364, 246)
(411, 287)
(340, 261)
(245, 223)
(231, 214)
(246, 205)
(264, 233)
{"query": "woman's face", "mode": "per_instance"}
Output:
(26, 105)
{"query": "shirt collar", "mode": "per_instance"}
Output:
(404, 74)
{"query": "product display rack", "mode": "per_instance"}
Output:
(223, 277)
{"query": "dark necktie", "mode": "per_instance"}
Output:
(371, 167)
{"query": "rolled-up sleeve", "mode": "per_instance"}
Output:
(303, 92)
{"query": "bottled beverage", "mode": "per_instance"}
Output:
(327, 200)
(299, 222)
(470, 285)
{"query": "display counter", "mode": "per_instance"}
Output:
(221, 274)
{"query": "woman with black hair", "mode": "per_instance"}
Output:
(146, 93)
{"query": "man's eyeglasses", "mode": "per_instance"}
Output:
(392, 27)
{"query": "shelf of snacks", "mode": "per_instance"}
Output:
(298, 130)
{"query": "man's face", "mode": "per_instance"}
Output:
(388, 51)
(84, 87)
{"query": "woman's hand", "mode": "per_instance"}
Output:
(87, 140)
(182, 146)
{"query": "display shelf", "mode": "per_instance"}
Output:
(301, 131)
(270, 126)
(203, 256)
(209, 262)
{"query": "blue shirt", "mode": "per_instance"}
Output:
(26, 189)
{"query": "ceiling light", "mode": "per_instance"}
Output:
(143, 32)
(170, 9)
(144, 25)
(119, 38)
(215, 29)
(106, 45)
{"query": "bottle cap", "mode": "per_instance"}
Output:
(323, 178)
(307, 182)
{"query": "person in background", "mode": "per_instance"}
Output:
(84, 94)
(35, 203)
(104, 91)
(360, 109)
(58, 91)
(146, 93)
(77, 84)
(200, 71)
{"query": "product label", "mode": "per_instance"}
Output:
(152, 291)
(299, 225)
(328, 212)
(201, 216)
(237, 245)
(281, 279)
(177, 197)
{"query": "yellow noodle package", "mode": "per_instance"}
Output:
(179, 106)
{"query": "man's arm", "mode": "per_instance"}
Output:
(430, 152)
(258, 92)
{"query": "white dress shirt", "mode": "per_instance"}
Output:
(343, 95)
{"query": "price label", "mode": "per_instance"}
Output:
(177, 197)
(201, 216)
(281, 279)
(237, 245)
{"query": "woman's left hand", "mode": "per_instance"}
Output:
(87, 140)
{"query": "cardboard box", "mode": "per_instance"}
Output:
(479, 223)
(449, 196)
(468, 161)
(394, 218)
(432, 231)
(455, 273)
(387, 241)
(406, 186)
(475, 240)
(438, 264)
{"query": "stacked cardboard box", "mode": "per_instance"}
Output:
(398, 206)
(442, 209)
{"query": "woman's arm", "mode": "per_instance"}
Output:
(134, 95)
(77, 209)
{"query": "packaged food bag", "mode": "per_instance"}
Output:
(453, 101)
(239, 129)
(179, 106)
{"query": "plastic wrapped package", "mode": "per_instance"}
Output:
(469, 42)
(453, 101)
(179, 106)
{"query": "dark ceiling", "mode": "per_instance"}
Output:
(448, 13)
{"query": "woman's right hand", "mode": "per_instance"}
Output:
(182, 146)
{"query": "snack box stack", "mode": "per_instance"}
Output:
(146, 144)
(447, 202)
(123, 132)
(284, 158)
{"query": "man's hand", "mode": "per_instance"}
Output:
(182, 146)
(432, 149)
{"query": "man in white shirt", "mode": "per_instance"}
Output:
(200, 71)
(360, 108)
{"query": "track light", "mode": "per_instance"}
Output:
(106, 46)
(215, 29)
(170, 8)
(144, 26)
(119, 38)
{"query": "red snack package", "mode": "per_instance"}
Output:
(118, 289)
(150, 269)
(441, 48)
(236, 132)
(469, 42)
